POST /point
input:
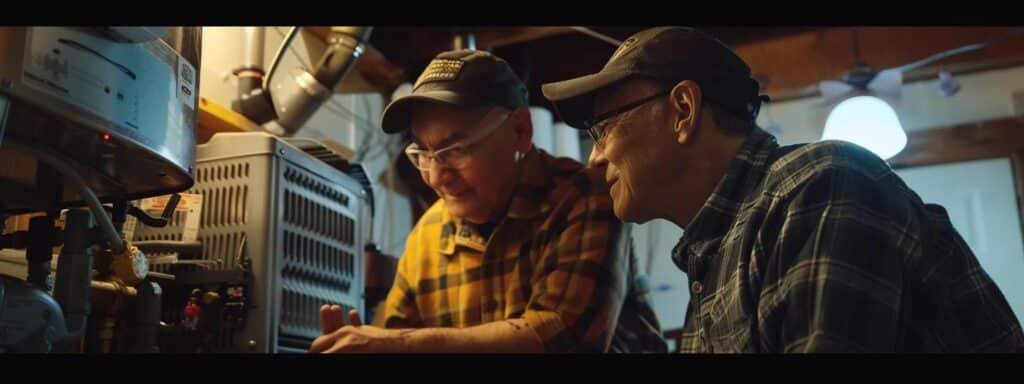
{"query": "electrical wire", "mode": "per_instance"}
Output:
(285, 44)
(957, 51)
(597, 35)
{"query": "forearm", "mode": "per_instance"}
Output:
(507, 336)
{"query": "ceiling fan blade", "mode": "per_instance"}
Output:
(889, 82)
(832, 90)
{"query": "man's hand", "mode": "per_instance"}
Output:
(354, 338)
(506, 336)
(331, 318)
(360, 339)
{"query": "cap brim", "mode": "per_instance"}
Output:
(573, 98)
(396, 116)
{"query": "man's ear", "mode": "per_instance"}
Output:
(685, 105)
(523, 128)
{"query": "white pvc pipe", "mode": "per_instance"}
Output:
(543, 131)
(567, 141)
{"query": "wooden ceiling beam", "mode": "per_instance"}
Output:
(502, 36)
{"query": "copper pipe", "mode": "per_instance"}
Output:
(107, 286)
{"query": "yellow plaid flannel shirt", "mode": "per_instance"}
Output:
(556, 260)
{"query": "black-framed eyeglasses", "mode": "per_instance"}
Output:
(596, 126)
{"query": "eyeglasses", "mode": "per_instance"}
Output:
(455, 156)
(598, 126)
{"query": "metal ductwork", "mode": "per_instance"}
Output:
(290, 105)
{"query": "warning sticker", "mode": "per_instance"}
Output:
(186, 83)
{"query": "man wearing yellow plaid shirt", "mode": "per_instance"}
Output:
(522, 252)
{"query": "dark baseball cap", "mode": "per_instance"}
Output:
(668, 55)
(463, 78)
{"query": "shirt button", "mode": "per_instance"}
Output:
(697, 287)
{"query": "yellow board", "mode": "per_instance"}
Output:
(214, 118)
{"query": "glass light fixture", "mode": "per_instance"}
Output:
(869, 122)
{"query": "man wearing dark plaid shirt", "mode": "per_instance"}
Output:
(808, 248)
(522, 253)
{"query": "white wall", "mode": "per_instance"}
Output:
(653, 244)
(350, 119)
(980, 198)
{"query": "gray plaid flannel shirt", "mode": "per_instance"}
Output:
(825, 249)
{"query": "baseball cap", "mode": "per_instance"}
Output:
(669, 55)
(463, 78)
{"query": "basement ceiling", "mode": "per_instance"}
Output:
(789, 61)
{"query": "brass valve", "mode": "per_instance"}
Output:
(130, 266)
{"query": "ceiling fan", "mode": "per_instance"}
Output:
(861, 113)
(888, 82)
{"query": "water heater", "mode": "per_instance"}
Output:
(119, 104)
